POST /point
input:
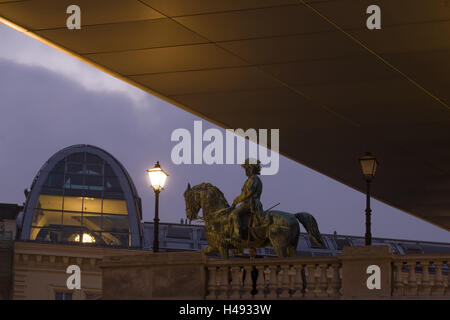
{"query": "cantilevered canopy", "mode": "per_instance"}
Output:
(310, 68)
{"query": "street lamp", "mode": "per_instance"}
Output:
(158, 180)
(368, 167)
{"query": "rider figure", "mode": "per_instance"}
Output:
(249, 199)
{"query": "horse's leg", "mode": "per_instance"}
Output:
(277, 250)
(292, 248)
(223, 252)
(238, 252)
(284, 251)
(278, 241)
(280, 250)
(286, 247)
(291, 251)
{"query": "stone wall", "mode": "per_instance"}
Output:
(147, 275)
(6, 256)
(40, 269)
(363, 272)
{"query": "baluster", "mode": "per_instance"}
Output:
(298, 282)
(279, 280)
(267, 282)
(426, 283)
(412, 281)
(272, 283)
(323, 281)
(341, 290)
(236, 281)
(291, 274)
(223, 292)
(398, 280)
(260, 282)
(310, 281)
(248, 283)
(439, 283)
(284, 282)
(212, 283)
(335, 280)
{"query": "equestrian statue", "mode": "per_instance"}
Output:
(245, 224)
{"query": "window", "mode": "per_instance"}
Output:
(94, 169)
(115, 223)
(63, 295)
(76, 157)
(55, 180)
(92, 158)
(92, 204)
(49, 202)
(45, 234)
(46, 218)
(114, 206)
(82, 202)
(75, 168)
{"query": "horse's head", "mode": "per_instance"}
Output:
(192, 200)
(204, 196)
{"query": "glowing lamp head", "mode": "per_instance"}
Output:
(369, 166)
(157, 177)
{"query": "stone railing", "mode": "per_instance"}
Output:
(413, 276)
(421, 276)
(359, 272)
(291, 278)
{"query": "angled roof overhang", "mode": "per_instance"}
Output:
(310, 68)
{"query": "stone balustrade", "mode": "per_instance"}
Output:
(413, 276)
(424, 275)
(359, 272)
(291, 278)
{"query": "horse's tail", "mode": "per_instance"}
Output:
(310, 224)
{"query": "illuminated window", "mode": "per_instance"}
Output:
(82, 201)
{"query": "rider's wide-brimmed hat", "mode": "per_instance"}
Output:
(250, 162)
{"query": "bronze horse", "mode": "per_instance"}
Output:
(282, 234)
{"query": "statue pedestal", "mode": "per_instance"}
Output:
(148, 275)
(366, 272)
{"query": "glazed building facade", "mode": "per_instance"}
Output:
(83, 195)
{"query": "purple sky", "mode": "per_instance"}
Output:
(49, 100)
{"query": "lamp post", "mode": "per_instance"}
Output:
(158, 180)
(368, 167)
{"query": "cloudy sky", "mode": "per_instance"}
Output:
(49, 100)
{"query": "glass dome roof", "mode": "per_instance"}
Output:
(83, 195)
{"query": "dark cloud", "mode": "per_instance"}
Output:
(43, 112)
